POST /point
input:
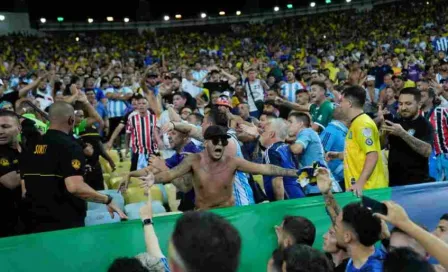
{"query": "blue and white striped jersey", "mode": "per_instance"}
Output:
(117, 108)
(288, 90)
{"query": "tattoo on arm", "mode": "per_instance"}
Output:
(279, 171)
(183, 168)
(332, 206)
(419, 146)
(184, 183)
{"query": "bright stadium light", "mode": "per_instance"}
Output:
(77, 39)
(312, 4)
(203, 15)
(289, 6)
(110, 19)
(327, 1)
(126, 20)
(238, 13)
(348, 1)
(178, 16)
(166, 18)
(2, 17)
(325, 36)
(427, 3)
(90, 20)
(276, 9)
(60, 19)
(222, 13)
(43, 20)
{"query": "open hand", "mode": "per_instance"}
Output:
(147, 181)
(157, 162)
(393, 128)
(323, 180)
(112, 207)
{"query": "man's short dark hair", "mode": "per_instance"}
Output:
(207, 242)
(356, 94)
(444, 217)
(7, 113)
(366, 226)
(216, 117)
(301, 229)
(300, 116)
(319, 83)
(303, 258)
(412, 91)
(181, 94)
(115, 77)
(126, 265)
(405, 259)
(199, 117)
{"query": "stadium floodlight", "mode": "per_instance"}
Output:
(126, 19)
(203, 15)
(77, 39)
(43, 20)
(348, 1)
(327, 1)
(60, 19)
(427, 3)
(325, 36)
(289, 6)
(312, 4)
(276, 9)
(166, 18)
(90, 20)
(110, 19)
(2, 17)
(178, 16)
(222, 13)
(238, 13)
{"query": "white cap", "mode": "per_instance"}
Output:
(370, 78)
(1, 82)
(314, 72)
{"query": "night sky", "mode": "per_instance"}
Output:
(142, 10)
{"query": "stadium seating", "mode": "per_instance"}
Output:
(132, 210)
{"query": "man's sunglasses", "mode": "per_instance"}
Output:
(216, 140)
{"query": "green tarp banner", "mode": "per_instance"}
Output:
(94, 248)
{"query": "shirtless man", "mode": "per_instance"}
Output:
(213, 172)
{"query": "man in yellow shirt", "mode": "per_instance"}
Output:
(363, 166)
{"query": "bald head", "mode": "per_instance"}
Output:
(60, 112)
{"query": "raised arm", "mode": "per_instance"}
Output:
(94, 116)
(291, 105)
(398, 217)
(262, 169)
(29, 87)
(324, 183)
(189, 129)
(153, 102)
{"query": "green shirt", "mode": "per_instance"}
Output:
(80, 128)
(41, 126)
(322, 115)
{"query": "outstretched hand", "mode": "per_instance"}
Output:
(324, 182)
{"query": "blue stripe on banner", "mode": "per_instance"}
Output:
(425, 203)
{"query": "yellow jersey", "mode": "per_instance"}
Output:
(363, 138)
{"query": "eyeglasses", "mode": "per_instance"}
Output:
(216, 140)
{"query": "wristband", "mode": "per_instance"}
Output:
(109, 199)
(147, 222)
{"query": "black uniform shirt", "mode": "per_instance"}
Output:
(405, 165)
(44, 168)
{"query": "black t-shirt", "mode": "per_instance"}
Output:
(44, 168)
(405, 165)
(90, 135)
(220, 86)
(9, 199)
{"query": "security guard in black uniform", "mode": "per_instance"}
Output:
(9, 177)
(53, 170)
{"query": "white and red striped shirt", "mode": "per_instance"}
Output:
(142, 129)
(439, 121)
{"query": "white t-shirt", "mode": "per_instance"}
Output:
(161, 121)
(257, 93)
(189, 87)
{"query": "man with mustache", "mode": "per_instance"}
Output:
(410, 141)
(213, 172)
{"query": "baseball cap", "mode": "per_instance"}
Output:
(215, 132)
(223, 102)
(301, 91)
(370, 78)
(314, 71)
(152, 74)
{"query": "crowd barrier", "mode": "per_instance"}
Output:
(94, 248)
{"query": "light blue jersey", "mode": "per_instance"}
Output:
(117, 108)
(289, 90)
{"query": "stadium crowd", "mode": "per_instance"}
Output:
(238, 116)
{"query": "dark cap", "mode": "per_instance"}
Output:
(215, 132)
(152, 74)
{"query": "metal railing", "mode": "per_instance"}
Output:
(253, 17)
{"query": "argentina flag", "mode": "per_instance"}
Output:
(440, 44)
